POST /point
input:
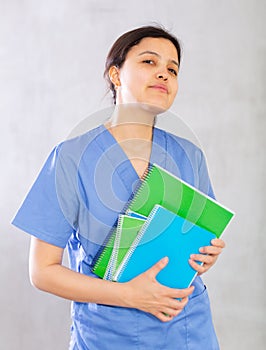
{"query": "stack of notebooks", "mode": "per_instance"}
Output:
(164, 217)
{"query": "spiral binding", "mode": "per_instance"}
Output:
(127, 257)
(137, 191)
(100, 253)
(111, 264)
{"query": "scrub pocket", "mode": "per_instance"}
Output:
(100, 327)
(200, 329)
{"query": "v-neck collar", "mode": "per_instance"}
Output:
(126, 170)
(114, 141)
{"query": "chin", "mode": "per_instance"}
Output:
(155, 108)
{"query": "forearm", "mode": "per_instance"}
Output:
(68, 284)
(48, 274)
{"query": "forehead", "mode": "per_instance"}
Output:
(162, 46)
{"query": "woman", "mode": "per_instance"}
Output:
(85, 184)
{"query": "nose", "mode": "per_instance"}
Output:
(162, 76)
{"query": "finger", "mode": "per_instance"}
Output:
(198, 268)
(211, 250)
(176, 307)
(218, 242)
(178, 304)
(163, 316)
(206, 259)
(180, 293)
(171, 312)
(156, 268)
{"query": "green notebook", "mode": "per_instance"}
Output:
(127, 230)
(103, 256)
(161, 187)
(103, 260)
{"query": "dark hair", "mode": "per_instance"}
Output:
(118, 52)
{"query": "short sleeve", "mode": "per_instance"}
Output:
(40, 214)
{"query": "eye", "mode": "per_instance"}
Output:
(148, 61)
(173, 71)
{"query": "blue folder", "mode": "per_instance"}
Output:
(164, 234)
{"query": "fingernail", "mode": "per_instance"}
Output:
(165, 259)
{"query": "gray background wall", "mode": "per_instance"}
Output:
(51, 62)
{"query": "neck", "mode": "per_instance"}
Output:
(131, 121)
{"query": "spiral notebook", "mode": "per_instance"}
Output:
(100, 265)
(162, 187)
(163, 235)
(159, 186)
(125, 230)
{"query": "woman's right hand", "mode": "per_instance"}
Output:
(146, 294)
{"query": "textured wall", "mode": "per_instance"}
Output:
(51, 61)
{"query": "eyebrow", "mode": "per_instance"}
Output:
(156, 54)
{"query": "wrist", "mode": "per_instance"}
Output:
(126, 295)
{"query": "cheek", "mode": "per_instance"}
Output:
(175, 89)
(131, 81)
(136, 86)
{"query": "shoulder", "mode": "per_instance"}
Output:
(179, 144)
(75, 147)
(190, 162)
(82, 140)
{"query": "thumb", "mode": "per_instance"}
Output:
(156, 268)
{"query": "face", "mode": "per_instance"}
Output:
(149, 74)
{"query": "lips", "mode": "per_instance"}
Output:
(160, 87)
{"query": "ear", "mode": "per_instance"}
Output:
(114, 76)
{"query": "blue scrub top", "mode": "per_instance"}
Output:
(82, 187)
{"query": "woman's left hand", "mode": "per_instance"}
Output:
(208, 256)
